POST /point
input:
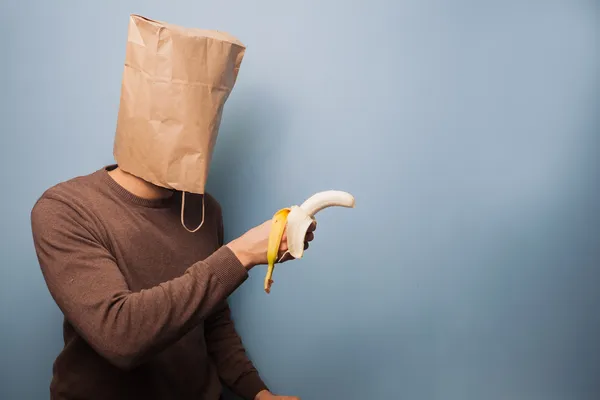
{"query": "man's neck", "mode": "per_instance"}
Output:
(138, 186)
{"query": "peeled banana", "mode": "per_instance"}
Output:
(295, 221)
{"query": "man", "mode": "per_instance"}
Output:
(143, 296)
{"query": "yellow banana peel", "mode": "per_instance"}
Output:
(278, 225)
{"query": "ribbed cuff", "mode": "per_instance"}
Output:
(227, 268)
(249, 385)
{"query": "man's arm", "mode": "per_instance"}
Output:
(227, 351)
(125, 327)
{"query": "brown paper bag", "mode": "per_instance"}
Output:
(175, 84)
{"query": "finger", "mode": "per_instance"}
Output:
(309, 236)
(312, 226)
(285, 257)
(305, 245)
(281, 256)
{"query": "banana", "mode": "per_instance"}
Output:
(278, 224)
(296, 220)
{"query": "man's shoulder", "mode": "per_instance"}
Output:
(74, 188)
(73, 192)
(211, 202)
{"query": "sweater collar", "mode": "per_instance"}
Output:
(130, 197)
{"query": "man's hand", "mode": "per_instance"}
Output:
(251, 247)
(266, 395)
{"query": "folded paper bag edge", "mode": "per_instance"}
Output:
(214, 34)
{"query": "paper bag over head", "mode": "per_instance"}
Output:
(175, 83)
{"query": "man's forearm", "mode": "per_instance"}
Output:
(226, 349)
(145, 322)
(125, 327)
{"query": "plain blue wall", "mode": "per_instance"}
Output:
(469, 132)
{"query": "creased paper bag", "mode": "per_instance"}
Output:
(175, 83)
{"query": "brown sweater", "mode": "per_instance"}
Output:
(144, 300)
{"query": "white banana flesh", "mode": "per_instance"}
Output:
(301, 217)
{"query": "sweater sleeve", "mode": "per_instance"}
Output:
(227, 350)
(124, 327)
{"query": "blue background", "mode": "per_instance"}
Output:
(468, 131)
